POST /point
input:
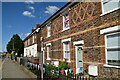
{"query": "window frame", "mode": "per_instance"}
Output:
(33, 39)
(28, 41)
(64, 43)
(104, 32)
(113, 47)
(48, 45)
(104, 13)
(48, 52)
(48, 31)
(63, 16)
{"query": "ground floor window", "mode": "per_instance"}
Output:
(66, 50)
(48, 52)
(113, 48)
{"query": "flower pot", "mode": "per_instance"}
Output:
(66, 59)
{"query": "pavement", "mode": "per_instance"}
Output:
(12, 71)
(1, 68)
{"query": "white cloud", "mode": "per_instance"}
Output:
(29, 2)
(31, 7)
(27, 13)
(26, 34)
(51, 9)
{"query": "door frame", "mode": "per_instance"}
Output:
(76, 55)
(76, 43)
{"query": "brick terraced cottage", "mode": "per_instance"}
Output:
(85, 34)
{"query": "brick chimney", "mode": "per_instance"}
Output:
(37, 25)
(33, 29)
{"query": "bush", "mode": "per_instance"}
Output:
(63, 65)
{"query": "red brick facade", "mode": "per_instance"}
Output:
(85, 24)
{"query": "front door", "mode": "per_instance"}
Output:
(79, 59)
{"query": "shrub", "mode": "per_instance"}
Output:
(63, 65)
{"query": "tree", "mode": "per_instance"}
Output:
(15, 44)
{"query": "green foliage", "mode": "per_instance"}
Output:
(63, 65)
(29, 68)
(15, 44)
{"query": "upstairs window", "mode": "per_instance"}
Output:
(65, 21)
(49, 30)
(29, 41)
(110, 5)
(33, 38)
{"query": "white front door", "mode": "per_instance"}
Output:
(79, 58)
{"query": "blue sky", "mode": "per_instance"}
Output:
(20, 17)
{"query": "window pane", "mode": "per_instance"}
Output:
(113, 54)
(113, 40)
(48, 52)
(48, 30)
(110, 5)
(66, 21)
(67, 50)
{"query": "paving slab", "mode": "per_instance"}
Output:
(11, 70)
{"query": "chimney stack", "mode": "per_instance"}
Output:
(37, 25)
(33, 29)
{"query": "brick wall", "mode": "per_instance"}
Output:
(85, 24)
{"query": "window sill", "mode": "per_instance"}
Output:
(68, 61)
(65, 29)
(109, 11)
(48, 59)
(111, 66)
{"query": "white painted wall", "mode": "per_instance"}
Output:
(31, 51)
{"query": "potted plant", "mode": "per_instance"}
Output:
(66, 59)
(63, 67)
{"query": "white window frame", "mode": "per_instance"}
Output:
(64, 42)
(29, 41)
(106, 32)
(48, 31)
(104, 13)
(33, 38)
(48, 52)
(63, 15)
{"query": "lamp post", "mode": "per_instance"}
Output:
(42, 51)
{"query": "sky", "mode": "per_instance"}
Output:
(20, 17)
